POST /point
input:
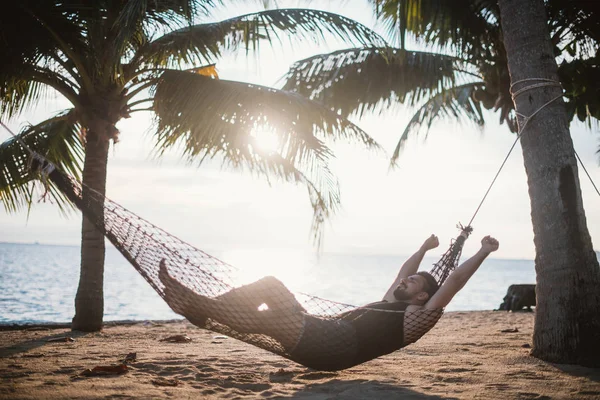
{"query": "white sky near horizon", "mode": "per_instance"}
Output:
(439, 182)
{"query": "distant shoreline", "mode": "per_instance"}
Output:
(32, 326)
(26, 326)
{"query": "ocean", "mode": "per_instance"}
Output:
(38, 282)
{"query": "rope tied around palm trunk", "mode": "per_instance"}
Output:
(541, 83)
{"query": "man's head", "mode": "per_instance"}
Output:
(417, 288)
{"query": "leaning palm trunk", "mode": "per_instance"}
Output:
(89, 301)
(567, 322)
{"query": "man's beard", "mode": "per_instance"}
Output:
(401, 295)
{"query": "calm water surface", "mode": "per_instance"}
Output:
(38, 282)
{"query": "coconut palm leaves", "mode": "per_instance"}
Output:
(460, 24)
(208, 40)
(211, 117)
(58, 140)
(579, 79)
(466, 73)
(356, 81)
(104, 59)
(359, 80)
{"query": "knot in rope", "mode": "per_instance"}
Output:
(543, 82)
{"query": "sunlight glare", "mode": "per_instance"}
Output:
(266, 140)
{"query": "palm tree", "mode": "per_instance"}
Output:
(113, 58)
(469, 72)
(465, 71)
(567, 322)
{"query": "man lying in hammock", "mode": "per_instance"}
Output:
(411, 307)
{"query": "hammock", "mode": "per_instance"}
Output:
(146, 246)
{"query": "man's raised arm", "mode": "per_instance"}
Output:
(411, 265)
(462, 274)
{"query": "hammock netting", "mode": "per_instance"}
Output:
(300, 327)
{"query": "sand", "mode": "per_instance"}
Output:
(466, 356)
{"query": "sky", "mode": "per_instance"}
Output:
(440, 180)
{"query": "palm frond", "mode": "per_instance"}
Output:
(457, 102)
(209, 117)
(359, 80)
(579, 79)
(213, 109)
(27, 87)
(204, 42)
(30, 45)
(56, 139)
(131, 22)
(574, 26)
(464, 25)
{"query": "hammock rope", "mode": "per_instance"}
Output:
(145, 246)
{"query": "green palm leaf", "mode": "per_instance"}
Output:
(203, 43)
(574, 26)
(367, 79)
(210, 117)
(56, 139)
(457, 103)
(579, 79)
(212, 109)
(466, 25)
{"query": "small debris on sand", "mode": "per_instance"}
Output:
(129, 358)
(61, 339)
(177, 339)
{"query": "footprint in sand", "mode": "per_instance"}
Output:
(454, 379)
(254, 387)
(205, 368)
(529, 395)
(589, 393)
(456, 370)
(526, 375)
(499, 386)
(180, 372)
(313, 376)
(281, 376)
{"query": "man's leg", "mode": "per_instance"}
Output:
(268, 290)
(283, 325)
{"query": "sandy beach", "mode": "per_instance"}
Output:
(468, 355)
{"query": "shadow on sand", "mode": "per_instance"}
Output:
(214, 377)
(361, 389)
(25, 346)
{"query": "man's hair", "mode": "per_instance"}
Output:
(431, 285)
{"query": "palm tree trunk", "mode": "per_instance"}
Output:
(89, 301)
(567, 321)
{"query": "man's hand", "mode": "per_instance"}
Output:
(489, 244)
(431, 243)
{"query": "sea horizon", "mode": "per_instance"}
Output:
(281, 249)
(39, 281)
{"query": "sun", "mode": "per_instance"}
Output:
(266, 141)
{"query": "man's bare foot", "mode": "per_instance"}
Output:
(181, 299)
